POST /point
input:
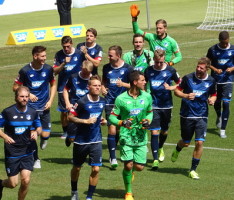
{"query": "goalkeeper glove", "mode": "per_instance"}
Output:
(170, 63)
(134, 10)
(145, 123)
(126, 123)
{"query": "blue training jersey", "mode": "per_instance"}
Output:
(203, 88)
(72, 67)
(38, 81)
(95, 52)
(222, 59)
(77, 87)
(162, 98)
(18, 125)
(88, 133)
(111, 75)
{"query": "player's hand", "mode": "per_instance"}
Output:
(33, 98)
(218, 71)
(33, 135)
(191, 96)
(103, 122)
(83, 49)
(134, 10)
(126, 123)
(91, 120)
(229, 70)
(145, 123)
(170, 63)
(69, 106)
(119, 83)
(48, 105)
(104, 91)
(8, 139)
(211, 101)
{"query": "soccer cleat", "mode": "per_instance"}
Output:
(223, 134)
(193, 175)
(161, 155)
(128, 196)
(174, 155)
(43, 143)
(63, 136)
(74, 195)
(155, 165)
(88, 199)
(114, 163)
(37, 164)
(67, 142)
(218, 122)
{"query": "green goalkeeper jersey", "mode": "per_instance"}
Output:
(137, 109)
(168, 44)
(141, 62)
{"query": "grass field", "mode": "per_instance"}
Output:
(113, 23)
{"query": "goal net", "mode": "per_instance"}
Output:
(219, 16)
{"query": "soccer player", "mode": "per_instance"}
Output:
(91, 50)
(197, 90)
(76, 87)
(139, 58)
(222, 66)
(66, 62)
(88, 138)
(133, 112)
(160, 77)
(160, 40)
(115, 81)
(21, 126)
(39, 78)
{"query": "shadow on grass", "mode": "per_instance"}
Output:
(59, 198)
(58, 160)
(213, 131)
(112, 194)
(183, 171)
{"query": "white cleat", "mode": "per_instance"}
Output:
(37, 164)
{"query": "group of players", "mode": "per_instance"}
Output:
(136, 96)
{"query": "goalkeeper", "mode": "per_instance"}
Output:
(160, 40)
(133, 112)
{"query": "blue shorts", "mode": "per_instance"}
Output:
(161, 119)
(45, 120)
(189, 126)
(224, 92)
(15, 165)
(80, 153)
(61, 103)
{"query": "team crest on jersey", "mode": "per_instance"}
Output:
(100, 105)
(77, 82)
(152, 74)
(128, 102)
(15, 117)
(164, 74)
(75, 58)
(229, 53)
(121, 72)
(8, 170)
(28, 117)
(207, 85)
(142, 101)
(135, 111)
(166, 44)
(43, 74)
(92, 52)
(144, 60)
(90, 106)
(230, 95)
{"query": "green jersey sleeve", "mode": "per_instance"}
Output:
(113, 118)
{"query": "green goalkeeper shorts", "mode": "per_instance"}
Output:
(137, 154)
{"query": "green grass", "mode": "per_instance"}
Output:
(113, 23)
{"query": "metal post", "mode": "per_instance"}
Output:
(148, 14)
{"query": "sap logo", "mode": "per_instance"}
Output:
(21, 37)
(139, 68)
(40, 35)
(37, 84)
(20, 130)
(81, 92)
(222, 61)
(96, 115)
(114, 80)
(76, 30)
(69, 67)
(198, 93)
(135, 111)
(58, 32)
(159, 47)
(156, 83)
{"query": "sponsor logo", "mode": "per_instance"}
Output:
(58, 32)
(114, 80)
(76, 30)
(135, 111)
(20, 130)
(140, 68)
(40, 35)
(81, 92)
(37, 84)
(159, 47)
(198, 93)
(69, 67)
(223, 61)
(156, 83)
(21, 37)
(95, 115)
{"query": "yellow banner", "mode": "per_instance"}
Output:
(45, 34)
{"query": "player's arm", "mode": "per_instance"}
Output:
(212, 99)
(66, 98)
(7, 139)
(120, 83)
(216, 70)
(58, 67)
(53, 88)
(179, 93)
(177, 53)
(77, 120)
(96, 61)
(104, 88)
